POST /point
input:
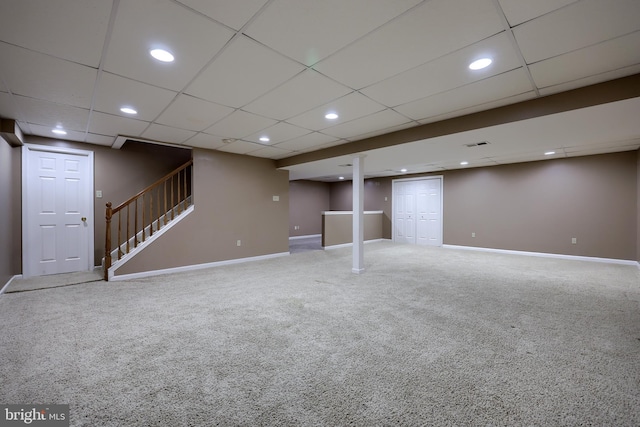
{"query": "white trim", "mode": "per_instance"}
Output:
(91, 214)
(421, 178)
(546, 255)
(309, 236)
(119, 263)
(347, 245)
(350, 212)
(195, 267)
(4, 288)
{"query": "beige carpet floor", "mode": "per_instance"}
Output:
(426, 336)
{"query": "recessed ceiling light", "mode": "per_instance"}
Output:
(162, 55)
(481, 63)
(549, 153)
(264, 139)
(341, 178)
(464, 163)
(331, 116)
(59, 131)
(403, 170)
(128, 110)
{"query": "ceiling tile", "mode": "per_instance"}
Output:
(298, 28)
(586, 81)
(107, 124)
(384, 130)
(50, 115)
(114, 92)
(306, 142)
(41, 76)
(105, 140)
(204, 140)
(244, 71)
(403, 43)
(8, 107)
(379, 120)
(46, 132)
(481, 107)
(239, 124)
(497, 87)
(578, 25)
(240, 147)
(272, 153)
(446, 73)
(349, 107)
(519, 11)
(192, 38)
(613, 54)
(168, 134)
(304, 92)
(228, 12)
(80, 27)
(594, 150)
(277, 133)
(190, 113)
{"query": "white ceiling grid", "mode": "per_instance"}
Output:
(274, 68)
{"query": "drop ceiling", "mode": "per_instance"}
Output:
(274, 68)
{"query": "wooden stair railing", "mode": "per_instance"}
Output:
(154, 206)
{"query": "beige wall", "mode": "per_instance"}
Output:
(233, 197)
(541, 206)
(307, 199)
(337, 229)
(535, 206)
(10, 212)
(638, 206)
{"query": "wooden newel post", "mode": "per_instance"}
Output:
(107, 243)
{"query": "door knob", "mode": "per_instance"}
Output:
(84, 219)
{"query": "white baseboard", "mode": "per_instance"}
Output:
(346, 245)
(305, 237)
(194, 267)
(547, 255)
(4, 288)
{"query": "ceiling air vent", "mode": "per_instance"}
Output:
(477, 144)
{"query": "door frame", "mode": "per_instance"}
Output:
(26, 149)
(393, 198)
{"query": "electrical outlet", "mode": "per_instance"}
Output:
(473, 234)
(239, 243)
(99, 194)
(276, 198)
(296, 227)
(574, 240)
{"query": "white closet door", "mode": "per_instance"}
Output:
(405, 212)
(429, 208)
(418, 211)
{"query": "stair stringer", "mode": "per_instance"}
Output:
(148, 240)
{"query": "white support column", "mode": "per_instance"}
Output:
(358, 215)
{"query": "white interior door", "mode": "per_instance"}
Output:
(417, 215)
(57, 210)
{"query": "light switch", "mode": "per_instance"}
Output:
(99, 194)
(276, 198)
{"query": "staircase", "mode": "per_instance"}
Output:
(132, 224)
